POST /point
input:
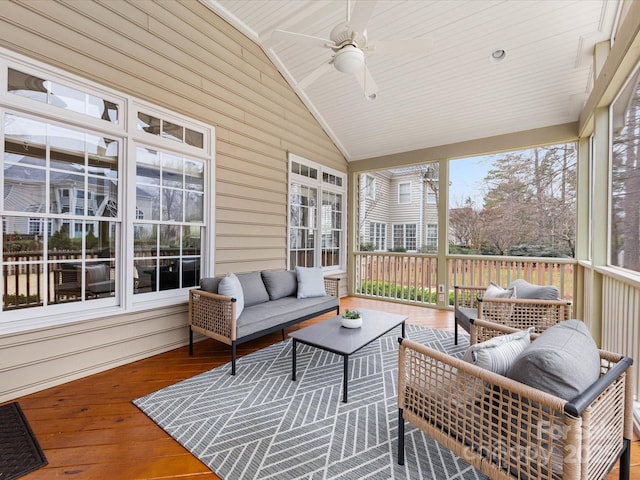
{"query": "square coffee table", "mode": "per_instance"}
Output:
(331, 336)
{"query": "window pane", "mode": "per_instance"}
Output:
(625, 179)
(148, 124)
(58, 95)
(172, 131)
(515, 203)
(194, 207)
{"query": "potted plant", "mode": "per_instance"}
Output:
(351, 319)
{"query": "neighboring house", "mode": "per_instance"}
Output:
(398, 209)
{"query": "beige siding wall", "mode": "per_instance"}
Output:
(181, 56)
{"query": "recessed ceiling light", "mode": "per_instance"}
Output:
(498, 55)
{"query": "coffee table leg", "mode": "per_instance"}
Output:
(345, 376)
(293, 360)
(403, 331)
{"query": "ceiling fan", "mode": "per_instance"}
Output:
(348, 43)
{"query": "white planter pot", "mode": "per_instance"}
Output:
(352, 322)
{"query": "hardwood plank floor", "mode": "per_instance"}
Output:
(89, 429)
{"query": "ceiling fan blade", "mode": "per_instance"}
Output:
(416, 46)
(365, 80)
(361, 15)
(299, 38)
(314, 75)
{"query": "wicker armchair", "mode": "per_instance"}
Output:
(509, 430)
(519, 313)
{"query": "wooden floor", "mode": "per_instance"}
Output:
(89, 429)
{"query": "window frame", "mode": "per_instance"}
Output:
(125, 131)
(408, 193)
(302, 165)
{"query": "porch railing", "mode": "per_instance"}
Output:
(413, 277)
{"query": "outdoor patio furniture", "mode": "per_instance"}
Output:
(508, 429)
(532, 306)
(257, 303)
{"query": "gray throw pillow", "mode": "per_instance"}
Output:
(230, 286)
(527, 290)
(253, 288)
(310, 282)
(498, 354)
(210, 284)
(282, 283)
(563, 361)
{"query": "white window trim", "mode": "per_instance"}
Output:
(126, 132)
(320, 186)
(399, 193)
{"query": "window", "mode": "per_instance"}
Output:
(63, 214)
(378, 235)
(369, 187)
(431, 195)
(404, 237)
(404, 192)
(625, 178)
(316, 215)
(432, 237)
(169, 220)
(516, 203)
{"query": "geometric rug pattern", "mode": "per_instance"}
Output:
(259, 424)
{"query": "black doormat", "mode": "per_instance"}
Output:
(20, 452)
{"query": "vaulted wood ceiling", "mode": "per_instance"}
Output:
(453, 92)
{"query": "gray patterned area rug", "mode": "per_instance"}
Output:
(261, 425)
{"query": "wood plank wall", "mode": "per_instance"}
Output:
(181, 56)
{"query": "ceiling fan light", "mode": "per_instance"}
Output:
(349, 59)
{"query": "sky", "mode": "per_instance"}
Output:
(466, 179)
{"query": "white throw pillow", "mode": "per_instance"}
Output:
(310, 282)
(230, 286)
(496, 291)
(499, 353)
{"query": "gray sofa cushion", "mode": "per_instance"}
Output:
(563, 361)
(527, 290)
(253, 288)
(210, 284)
(282, 283)
(276, 312)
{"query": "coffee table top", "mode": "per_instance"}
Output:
(330, 335)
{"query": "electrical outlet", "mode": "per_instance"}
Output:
(440, 288)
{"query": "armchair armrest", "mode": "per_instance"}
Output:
(212, 315)
(332, 286)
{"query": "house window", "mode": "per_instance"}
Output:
(170, 195)
(369, 187)
(432, 237)
(404, 192)
(316, 215)
(625, 178)
(431, 196)
(404, 237)
(378, 235)
(69, 175)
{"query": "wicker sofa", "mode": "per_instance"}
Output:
(532, 306)
(507, 429)
(270, 303)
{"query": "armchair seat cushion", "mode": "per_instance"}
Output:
(464, 316)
